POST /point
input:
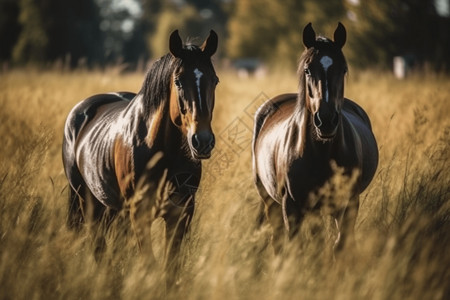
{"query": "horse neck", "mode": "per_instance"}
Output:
(305, 141)
(169, 136)
(153, 126)
(299, 126)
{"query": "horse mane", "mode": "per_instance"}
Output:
(156, 86)
(304, 58)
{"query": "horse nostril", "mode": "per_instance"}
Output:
(317, 120)
(203, 142)
(213, 141)
(195, 141)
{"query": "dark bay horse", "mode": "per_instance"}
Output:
(109, 140)
(298, 137)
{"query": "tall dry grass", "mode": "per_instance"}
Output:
(402, 229)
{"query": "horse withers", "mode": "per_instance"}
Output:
(299, 138)
(109, 140)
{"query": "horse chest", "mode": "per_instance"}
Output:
(305, 176)
(309, 173)
(152, 171)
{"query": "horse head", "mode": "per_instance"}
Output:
(192, 93)
(323, 68)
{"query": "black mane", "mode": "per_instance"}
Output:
(156, 86)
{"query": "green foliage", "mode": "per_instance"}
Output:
(377, 30)
(325, 15)
(52, 30)
(194, 19)
(185, 19)
(33, 39)
(383, 29)
(44, 31)
(261, 29)
(9, 27)
(272, 30)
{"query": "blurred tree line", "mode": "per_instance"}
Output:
(99, 32)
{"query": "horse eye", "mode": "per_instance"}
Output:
(178, 83)
(345, 70)
(217, 80)
(307, 72)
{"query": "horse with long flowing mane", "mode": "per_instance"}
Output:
(298, 138)
(109, 140)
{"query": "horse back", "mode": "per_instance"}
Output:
(268, 119)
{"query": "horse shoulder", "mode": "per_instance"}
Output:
(268, 109)
(356, 110)
(268, 141)
(364, 140)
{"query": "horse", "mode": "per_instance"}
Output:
(300, 138)
(110, 139)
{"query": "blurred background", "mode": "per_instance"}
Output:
(53, 53)
(98, 33)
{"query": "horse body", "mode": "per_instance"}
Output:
(112, 165)
(298, 136)
(109, 140)
(281, 132)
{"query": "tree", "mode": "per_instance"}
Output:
(192, 19)
(260, 29)
(147, 23)
(113, 18)
(272, 30)
(53, 29)
(386, 28)
(9, 27)
(33, 39)
(324, 15)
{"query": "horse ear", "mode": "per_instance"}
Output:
(340, 35)
(175, 44)
(309, 36)
(209, 47)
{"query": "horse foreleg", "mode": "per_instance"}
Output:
(271, 211)
(84, 209)
(76, 214)
(345, 222)
(293, 216)
(274, 215)
(177, 220)
(83, 206)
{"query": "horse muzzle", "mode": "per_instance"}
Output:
(202, 144)
(326, 124)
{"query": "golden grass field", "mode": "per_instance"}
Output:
(403, 229)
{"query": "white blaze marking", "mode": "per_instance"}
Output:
(198, 75)
(326, 62)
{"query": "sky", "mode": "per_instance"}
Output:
(443, 7)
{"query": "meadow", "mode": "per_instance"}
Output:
(402, 230)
